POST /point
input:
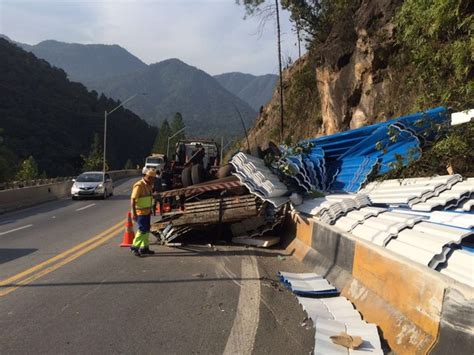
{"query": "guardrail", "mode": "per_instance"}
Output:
(28, 183)
(29, 193)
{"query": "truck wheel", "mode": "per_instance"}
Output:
(197, 174)
(186, 177)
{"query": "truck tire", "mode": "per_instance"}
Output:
(197, 174)
(186, 177)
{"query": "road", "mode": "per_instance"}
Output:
(66, 287)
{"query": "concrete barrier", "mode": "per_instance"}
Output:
(417, 309)
(19, 198)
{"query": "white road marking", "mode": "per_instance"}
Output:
(17, 229)
(242, 335)
(83, 208)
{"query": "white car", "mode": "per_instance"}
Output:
(92, 184)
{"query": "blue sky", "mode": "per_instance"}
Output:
(209, 34)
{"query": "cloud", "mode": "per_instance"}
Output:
(209, 34)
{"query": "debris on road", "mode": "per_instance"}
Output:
(339, 327)
(347, 341)
(220, 203)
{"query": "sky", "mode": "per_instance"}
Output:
(209, 34)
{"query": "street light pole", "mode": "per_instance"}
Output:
(168, 144)
(105, 131)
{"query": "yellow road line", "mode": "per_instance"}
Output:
(58, 257)
(61, 263)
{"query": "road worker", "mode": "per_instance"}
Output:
(142, 202)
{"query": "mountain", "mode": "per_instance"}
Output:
(45, 115)
(173, 86)
(255, 90)
(86, 62)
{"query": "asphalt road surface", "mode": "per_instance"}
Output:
(67, 287)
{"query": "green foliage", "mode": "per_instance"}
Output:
(176, 125)
(436, 38)
(94, 161)
(28, 170)
(315, 17)
(46, 115)
(161, 141)
(453, 150)
(6, 161)
(128, 165)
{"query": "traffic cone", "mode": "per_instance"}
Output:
(129, 234)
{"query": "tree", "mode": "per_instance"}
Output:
(161, 140)
(94, 161)
(28, 170)
(253, 7)
(176, 125)
(6, 161)
(128, 165)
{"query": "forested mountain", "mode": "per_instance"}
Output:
(173, 86)
(209, 108)
(255, 90)
(86, 62)
(44, 115)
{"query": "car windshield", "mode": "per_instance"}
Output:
(154, 161)
(95, 177)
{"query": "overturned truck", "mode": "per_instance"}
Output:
(222, 203)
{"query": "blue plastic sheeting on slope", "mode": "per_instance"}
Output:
(307, 284)
(343, 161)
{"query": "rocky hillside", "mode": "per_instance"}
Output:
(255, 90)
(379, 59)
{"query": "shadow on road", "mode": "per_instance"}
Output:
(7, 255)
(134, 282)
(206, 251)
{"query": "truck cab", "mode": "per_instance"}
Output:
(155, 161)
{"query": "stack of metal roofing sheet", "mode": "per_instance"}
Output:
(329, 208)
(459, 266)
(428, 243)
(343, 161)
(331, 315)
(307, 284)
(260, 181)
(335, 315)
(456, 195)
(409, 192)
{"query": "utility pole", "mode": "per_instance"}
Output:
(279, 65)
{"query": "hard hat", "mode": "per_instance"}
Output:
(151, 172)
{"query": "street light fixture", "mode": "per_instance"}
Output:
(174, 135)
(105, 129)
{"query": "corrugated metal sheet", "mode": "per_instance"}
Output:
(409, 191)
(462, 220)
(449, 198)
(460, 266)
(427, 238)
(259, 179)
(307, 284)
(335, 315)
